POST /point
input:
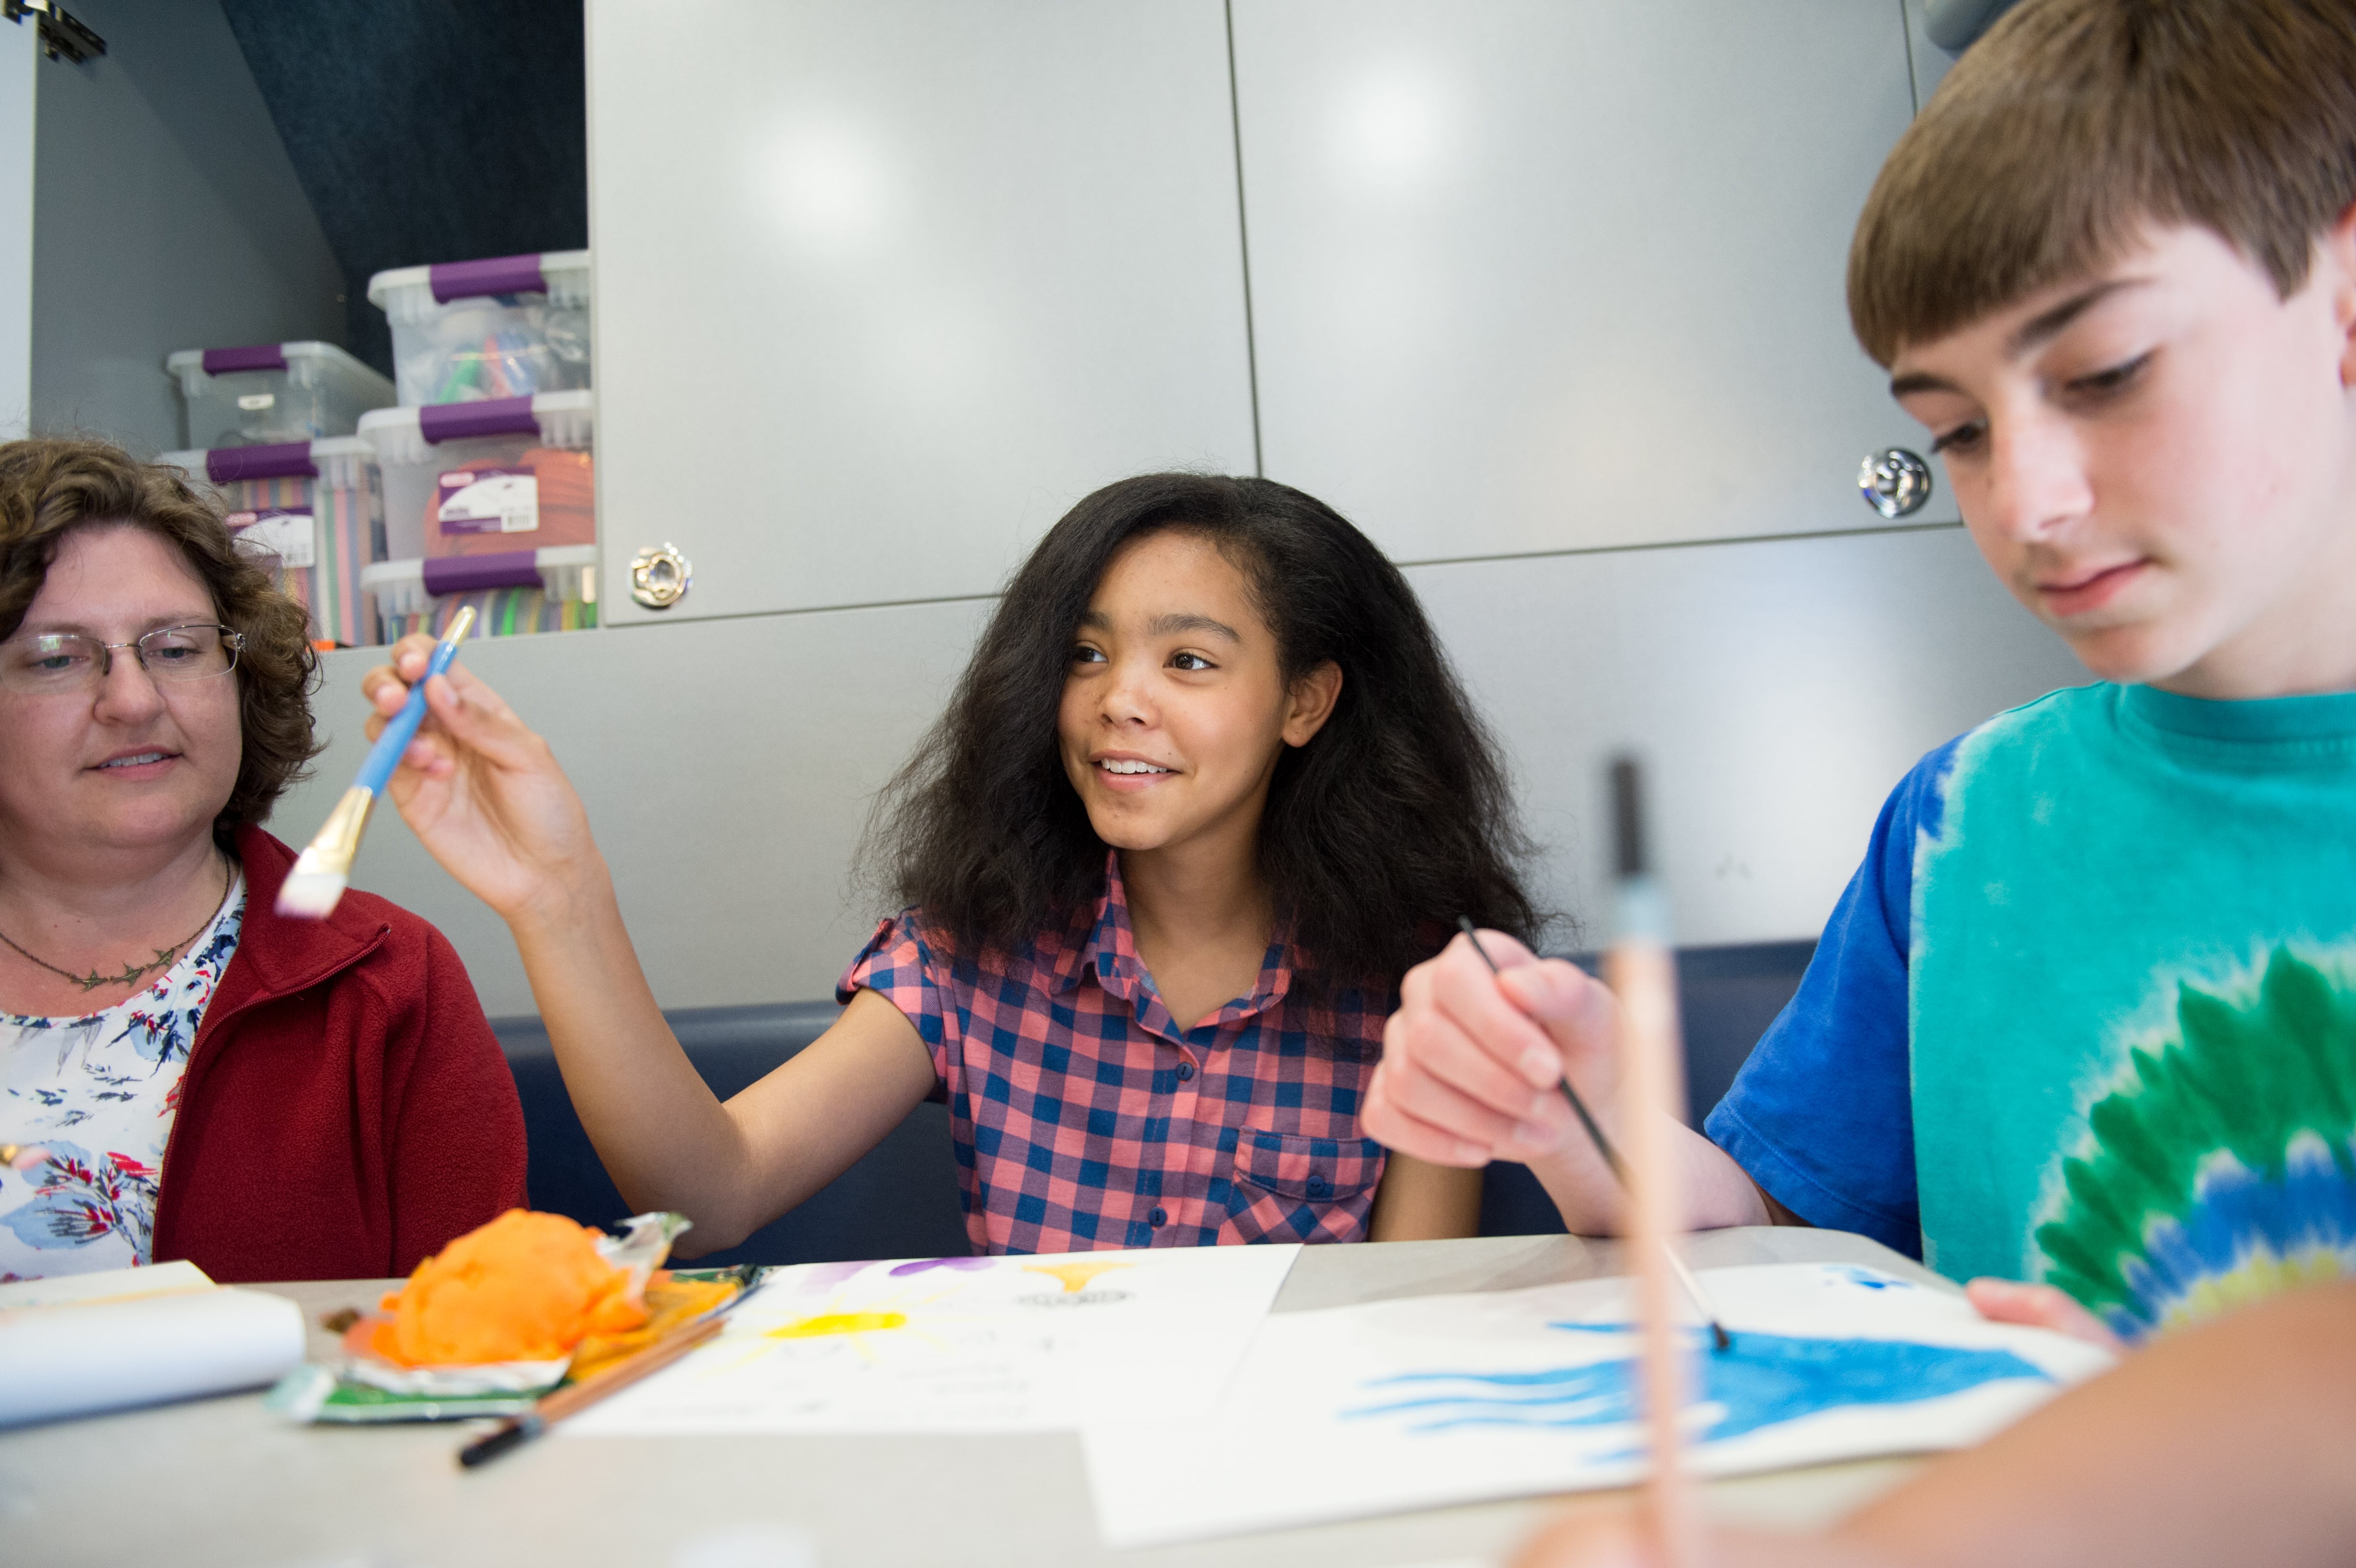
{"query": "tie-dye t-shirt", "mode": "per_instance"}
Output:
(100, 1092)
(2087, 1014)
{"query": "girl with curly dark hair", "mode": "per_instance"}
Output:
(183, 1075)
(1207, 788)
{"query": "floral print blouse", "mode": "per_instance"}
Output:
(99, 1093)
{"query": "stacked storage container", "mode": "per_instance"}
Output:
(314, 508)
(490, 502)
(272, 394)
(487, 463)
(507, 327)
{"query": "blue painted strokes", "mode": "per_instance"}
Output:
(1872, 1279)
(1763, 1381)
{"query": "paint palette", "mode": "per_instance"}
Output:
(1442, 1399)
(1002, 1344)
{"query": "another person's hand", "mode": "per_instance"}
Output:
(481, 790)
(1617, 1538)
(2041, 1307)
(1472, 1061)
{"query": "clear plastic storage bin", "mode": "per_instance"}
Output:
(316, 508)
(273, 393)
(486, 478)
(507, 327)
(513, 594)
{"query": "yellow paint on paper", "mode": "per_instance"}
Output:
(839, 1323)
(1076, 1276)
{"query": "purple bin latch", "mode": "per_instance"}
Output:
(287, 460)
(261, 357)
(474, 573)
(495, 275)
(493, 416)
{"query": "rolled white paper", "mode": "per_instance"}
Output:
(77, 1360)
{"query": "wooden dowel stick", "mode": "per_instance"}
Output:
(1643, 976)
(1644, 980)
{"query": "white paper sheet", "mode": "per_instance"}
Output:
(78, 1357)
(1453, 1399)
(106, 1285)
(1005, 1344)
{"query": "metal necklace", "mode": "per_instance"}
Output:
(130, 972)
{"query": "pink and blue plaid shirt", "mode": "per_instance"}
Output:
(1086, 1117)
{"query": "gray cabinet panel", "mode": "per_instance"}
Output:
(1539, 275)
(884, 285)
(1777, 690)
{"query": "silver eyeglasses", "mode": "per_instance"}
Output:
(66, 661)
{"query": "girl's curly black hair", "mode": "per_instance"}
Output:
(1390, 824)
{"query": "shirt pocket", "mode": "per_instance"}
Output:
(1287, 1187)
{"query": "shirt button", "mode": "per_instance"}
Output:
(1319, 1187)
(1159, 1218)
(1185, 1071)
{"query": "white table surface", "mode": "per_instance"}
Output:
(222, 1481)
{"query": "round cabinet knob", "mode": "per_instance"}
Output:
(660, 576)
(1895, 481)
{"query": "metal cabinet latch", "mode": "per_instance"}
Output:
(62, 33)
(660, 576)
(1894, 482)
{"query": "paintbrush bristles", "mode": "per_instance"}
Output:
(315, 885)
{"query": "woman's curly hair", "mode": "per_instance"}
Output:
(1393, 821)
(51, 487)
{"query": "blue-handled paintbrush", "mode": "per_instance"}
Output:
(323, 870)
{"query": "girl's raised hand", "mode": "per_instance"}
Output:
(481, 790)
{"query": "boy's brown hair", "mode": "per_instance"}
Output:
(49, 488)
(2074, 123)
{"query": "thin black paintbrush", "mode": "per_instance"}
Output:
(1611, 1157)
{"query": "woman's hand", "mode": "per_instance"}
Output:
(482, 792)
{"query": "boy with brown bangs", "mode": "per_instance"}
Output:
(2086, 1015)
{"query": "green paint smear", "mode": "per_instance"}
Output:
(2244, 1080)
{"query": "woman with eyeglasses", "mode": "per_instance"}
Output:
(183, 1075)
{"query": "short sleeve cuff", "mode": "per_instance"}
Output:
(1802, 1193)
(896, 965)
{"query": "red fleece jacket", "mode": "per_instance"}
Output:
(346, 1109)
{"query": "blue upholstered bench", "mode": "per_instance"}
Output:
(901, 1200)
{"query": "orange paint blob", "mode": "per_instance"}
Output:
(525, 1288)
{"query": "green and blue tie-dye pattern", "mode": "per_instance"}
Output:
(2132, 1007)
(2225, 1171)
